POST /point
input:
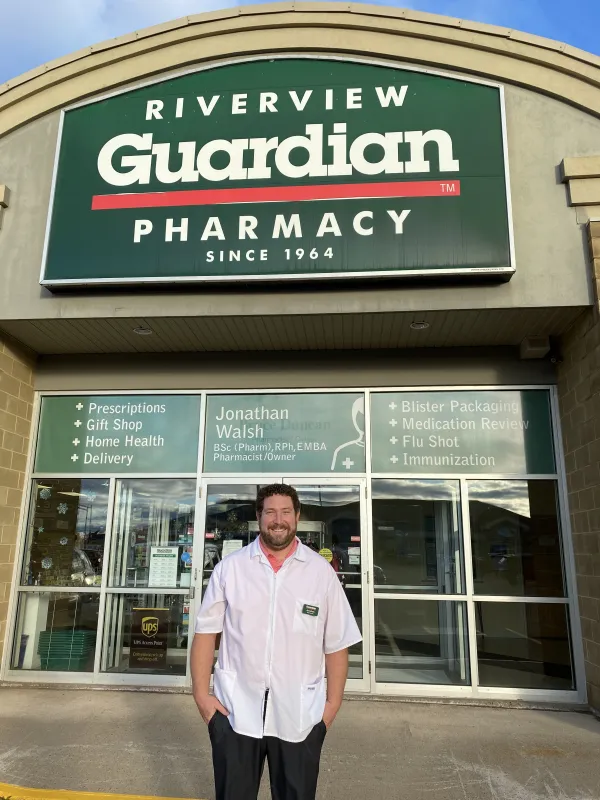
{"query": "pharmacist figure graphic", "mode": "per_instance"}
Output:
(352, 453)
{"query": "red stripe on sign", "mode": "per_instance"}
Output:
(276, 194)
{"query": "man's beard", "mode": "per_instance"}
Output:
(278, 539)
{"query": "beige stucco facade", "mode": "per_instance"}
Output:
(317, 336)
(547, 230)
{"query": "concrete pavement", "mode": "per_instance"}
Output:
(156, 744)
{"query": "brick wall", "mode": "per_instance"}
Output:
(579, 396)
(16, 405)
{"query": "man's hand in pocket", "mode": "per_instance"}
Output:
(208, 705)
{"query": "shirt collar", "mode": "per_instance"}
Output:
(255, 551)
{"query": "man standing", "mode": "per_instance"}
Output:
(285, 624)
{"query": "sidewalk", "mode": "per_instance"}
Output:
(156, 744)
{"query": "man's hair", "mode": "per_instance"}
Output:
(272, 489)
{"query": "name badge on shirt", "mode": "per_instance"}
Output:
(312, 611)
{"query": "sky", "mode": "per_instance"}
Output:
(33, 32)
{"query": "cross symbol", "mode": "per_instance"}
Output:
(75, 442)
(393, 423)
(74, 458)
(79, 406)
(393, 406)
(77, 423)
(348, 463)
(393, 440)
(394, 459)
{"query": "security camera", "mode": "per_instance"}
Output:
(555, 355)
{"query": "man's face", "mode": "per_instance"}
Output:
(278, 521)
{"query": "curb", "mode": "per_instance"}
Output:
(476, 702)
(8, 790)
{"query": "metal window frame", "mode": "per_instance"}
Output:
(417, 690)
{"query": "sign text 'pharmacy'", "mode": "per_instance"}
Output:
(286, 167)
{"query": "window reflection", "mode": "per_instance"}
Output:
(56, 631)
(516, 538)
(330, 524)
(146, 633)
(153, 533)
(330, 520)
(524, 645)
(66, 530)
(230, 521)
(417, 540)
(421, 641)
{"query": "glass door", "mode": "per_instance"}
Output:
(332, 522)
(228, 509)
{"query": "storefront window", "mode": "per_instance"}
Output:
(421, 641)
(66, 530)
(230, 522)
(516, 538)
(417, 538)
(56, 631)
(153, 533)
(525, 645)
(443, 573)
(146, 633)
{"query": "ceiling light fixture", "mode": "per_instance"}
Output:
(419, 325)
(143, 331)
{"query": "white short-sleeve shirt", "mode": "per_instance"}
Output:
(276, 629)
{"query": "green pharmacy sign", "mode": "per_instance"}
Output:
(462, 432)
(118, 434)
(293, 168)
(318, 433)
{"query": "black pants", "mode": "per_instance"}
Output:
(238, 763)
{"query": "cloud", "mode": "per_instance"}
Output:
(549, 18)
(35, 31)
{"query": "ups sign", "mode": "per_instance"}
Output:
(149, 626)
(149, 639)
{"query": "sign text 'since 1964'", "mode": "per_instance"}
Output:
(285, 167)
